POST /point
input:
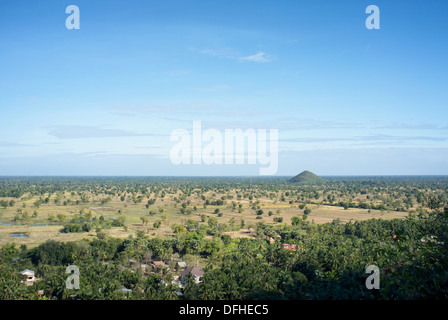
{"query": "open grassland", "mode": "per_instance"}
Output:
(49, 221)
(39, 208)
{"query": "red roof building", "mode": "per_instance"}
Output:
(290, 247)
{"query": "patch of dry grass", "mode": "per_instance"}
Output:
(133, 212)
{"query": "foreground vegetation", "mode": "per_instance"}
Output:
(328, 261)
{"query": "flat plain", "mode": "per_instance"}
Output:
(33, 219)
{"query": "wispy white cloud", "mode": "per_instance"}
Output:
(419, 126)
(231, 53)
(13, 144)
(81, 132)
(258, 57)
(189, 111)
(283, 123)
(370, 138)
(225, 52)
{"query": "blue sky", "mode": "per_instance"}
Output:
(104, 99)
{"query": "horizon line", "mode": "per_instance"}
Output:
(223, 176)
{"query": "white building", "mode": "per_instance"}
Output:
(29, 277)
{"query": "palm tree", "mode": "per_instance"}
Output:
(213, 259)
(42, 269)
(9, 289)
(150, 292)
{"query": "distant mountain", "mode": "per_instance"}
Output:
(307, 177)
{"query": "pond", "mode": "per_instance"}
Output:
(17, 235)
(36, 224)
(40, 224)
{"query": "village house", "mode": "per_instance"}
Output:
(195, 272)
(29, 277)
(133, 263)
(290, 247)
(144, 268)
(159, 265)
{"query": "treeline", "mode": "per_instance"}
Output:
(85, 222)
(376, 193)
